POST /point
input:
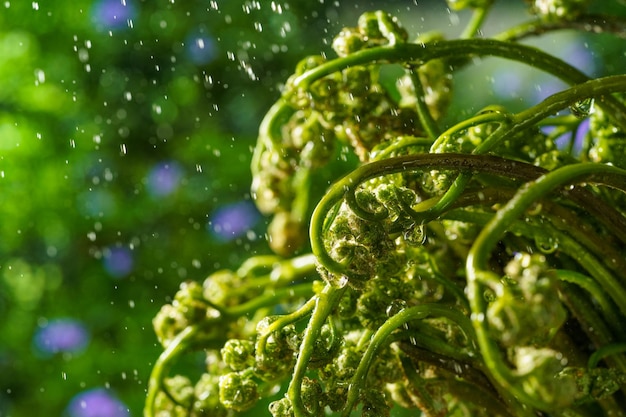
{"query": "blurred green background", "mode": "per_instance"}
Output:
(126, 130)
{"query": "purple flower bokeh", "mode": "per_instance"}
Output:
(233, 220)
(61, 335)
(113, 14)
(163, 179)
(200, 49)
(97, 402)
(118, 261)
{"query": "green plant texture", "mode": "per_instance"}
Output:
(460, 266)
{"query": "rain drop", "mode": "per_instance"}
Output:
(277, 8)
(40, 76)
(395, 307)
(341, 282)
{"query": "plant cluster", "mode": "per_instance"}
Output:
(473, 270)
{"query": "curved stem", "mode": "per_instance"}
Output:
(283, 321)
(267, 300)
(422, 53)
(349, 183)
(176, 346)
(604, 351)
(476, 264)
(380, 339)
(325, 303)
(398, 144)
(597, 292)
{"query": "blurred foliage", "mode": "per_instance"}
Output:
(124, 126)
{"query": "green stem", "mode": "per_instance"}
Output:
(478, 273)
(380, 339)
(426, 119)
(325, 303)
(422, 53)
(399, 144)
(176, 346)
(486, 116)
(585, 23)
(267, 300)
(590, 322)
(598, 88)
(349, 183)
(283, 321)
(476, 21)
(604, 351)
(514, 124)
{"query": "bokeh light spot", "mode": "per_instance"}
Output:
(233, 220)
(61, 335)
(113, 14)
(163, 179)
(201, 49)
(118, 262)
(97, 402)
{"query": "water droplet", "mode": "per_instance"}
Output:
(546, 244)
(479, 317)
(582, 108)
(395, 307)
(83, 55)
(415, 235)
(35, 5)
(258, 27)
(40, 76)
(342, 281)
